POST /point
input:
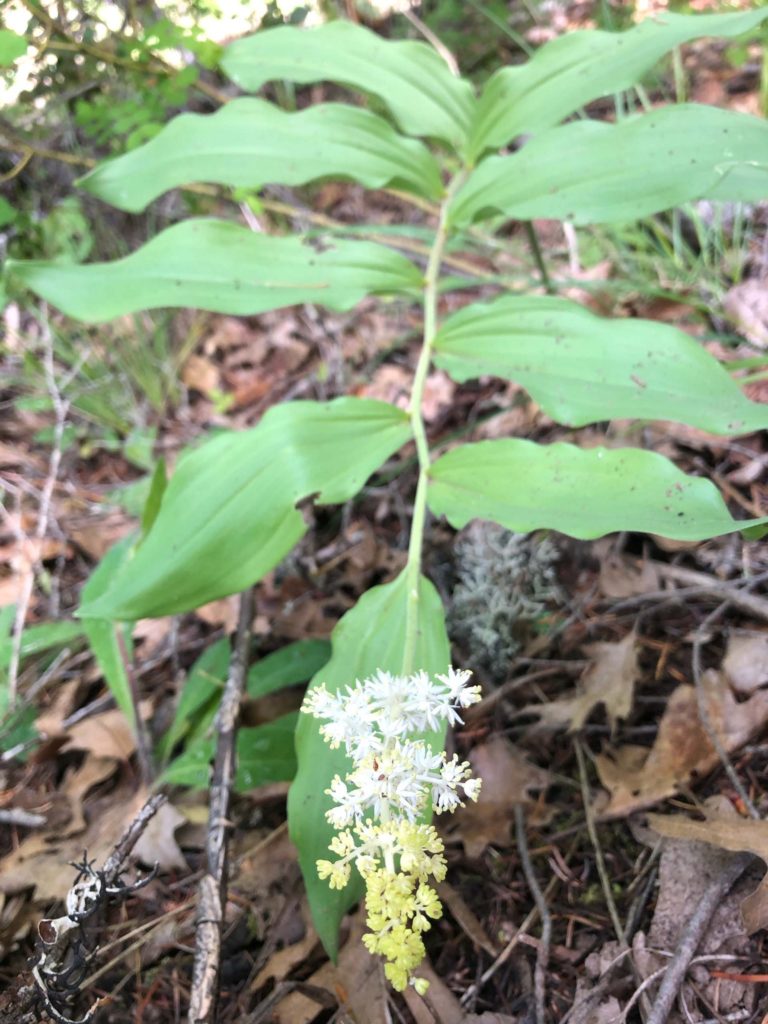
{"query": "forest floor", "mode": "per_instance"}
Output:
(622, 733)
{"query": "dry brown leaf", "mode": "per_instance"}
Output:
(466, 919)
(223, 612)
(389, 383)
(280, 964)
(41, 861)
(157, 843)
(360, 976)
(439, 1005)
(637, 777)
(727, 831)
(107, 734)
(508, 779)
(609, 680)
(97, 534)
(746, 662)
(746, 306)
(439, 391)
(624, 577)
(78, 783)
(200, 374)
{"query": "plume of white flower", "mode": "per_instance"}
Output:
(394, 779)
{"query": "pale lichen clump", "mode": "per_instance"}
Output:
(379, 805)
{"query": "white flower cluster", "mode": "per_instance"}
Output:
(394, 777)
(377, 806)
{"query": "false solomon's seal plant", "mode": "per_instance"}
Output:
(229, 513)
(393, 780)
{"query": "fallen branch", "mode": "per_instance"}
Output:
(212, 891)
(691, 937)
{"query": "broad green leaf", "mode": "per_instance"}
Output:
(368, 637)
(583, 368)
(581, 66)
(249, 143)
(201, 692)
(263, 754)
(102, 633)
(229, 512)
(219, 266)
(582, 492)
(590, 172)
(409, 78)
(12, 46)
(157, 484)
(292, 664)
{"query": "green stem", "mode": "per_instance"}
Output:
(415, 545)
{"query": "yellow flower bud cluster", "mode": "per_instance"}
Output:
(396, 779)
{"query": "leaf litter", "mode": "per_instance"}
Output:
(634, 706)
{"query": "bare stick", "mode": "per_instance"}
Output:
(602, 871)
(60, 409)
(542, 953)
(691, 937)
(114, 863)
(213, 885)
(143, 744)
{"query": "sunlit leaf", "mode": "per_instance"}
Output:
(584, 493)
(581, 66)
(219, 266)
(368, 637)
(12, 46)
(249, 143)
(408, 77)
(592, 172)
(229, 512)
(583, 368)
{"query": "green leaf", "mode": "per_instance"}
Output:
(249, 143)
(8, 213)
(201, 692)
(224, 268)
(199, 696)
(583, 493)
(12, 46)
(37, 639)
(264, 754)
(157, 485)
(581, 66)
(368, 637)
(102, 633)
(409, 78)
(583, 368)
(292, 664)
(590, 172)
(229, 513)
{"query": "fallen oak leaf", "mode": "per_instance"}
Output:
(746, 661)
(609, 679)
(636, 777)
(728, 832)
(508, 780)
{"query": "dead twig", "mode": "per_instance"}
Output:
(542, 953)
(60, 409)
(602, 870)
(143, 742)
(691, 937)
(213, 885)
